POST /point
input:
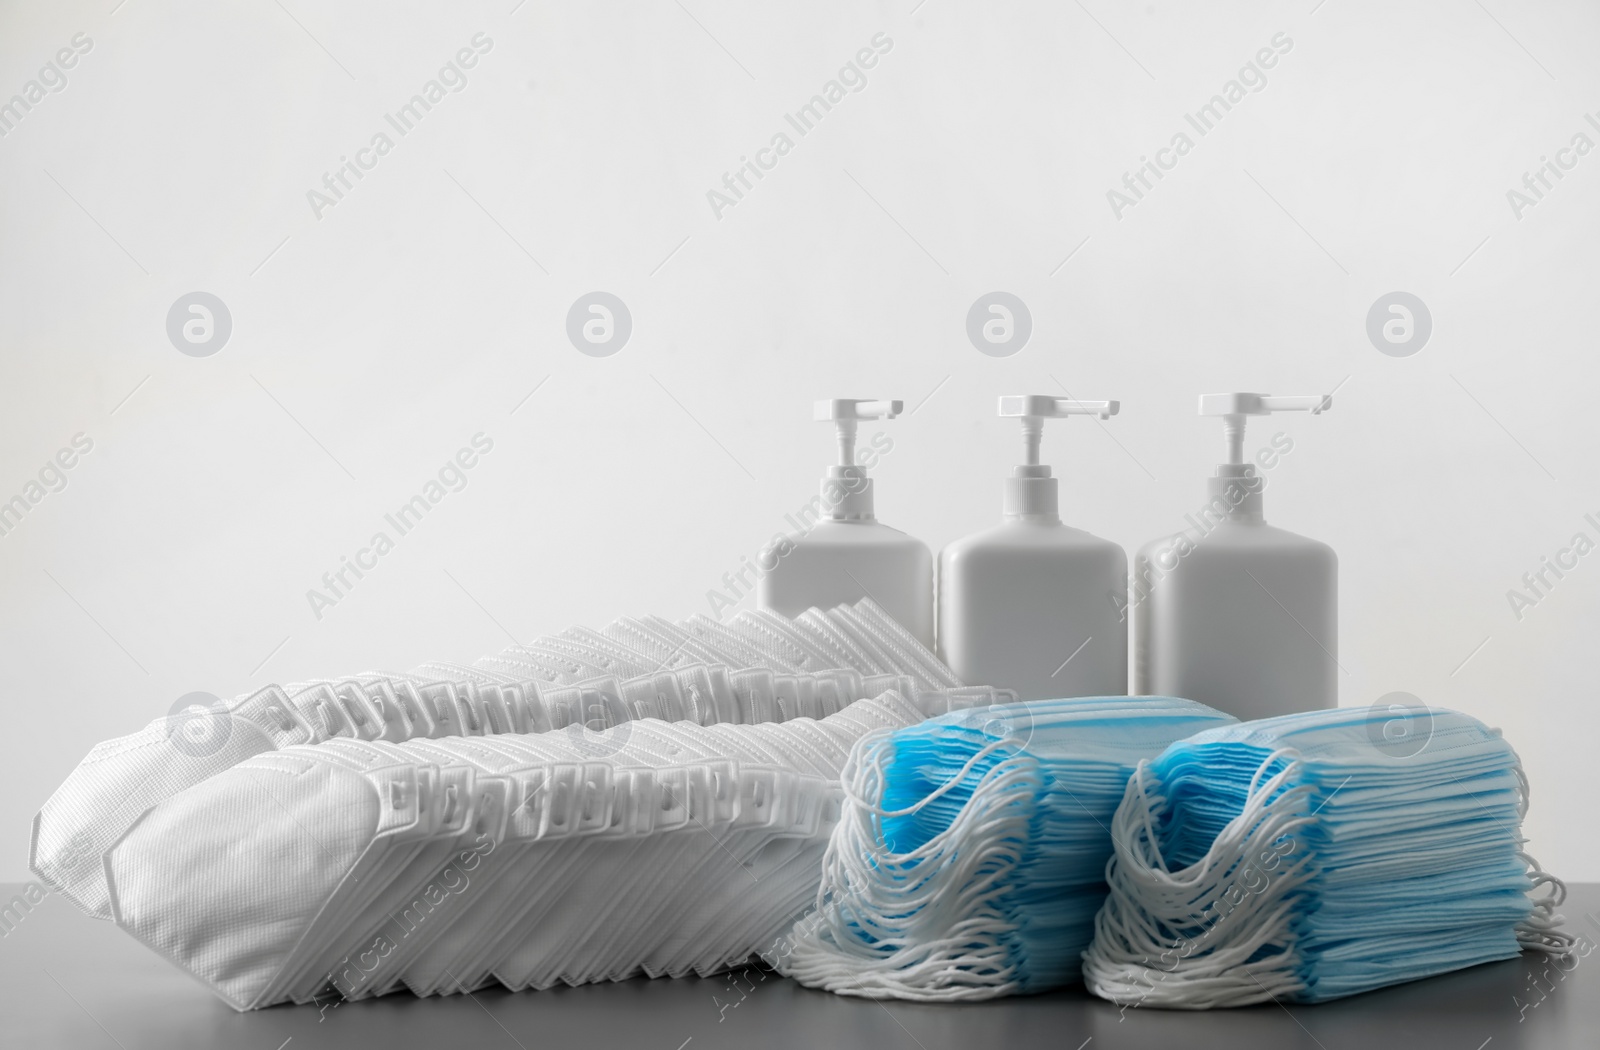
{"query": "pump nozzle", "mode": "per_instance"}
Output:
(845, 413)
(1234, 407)
(1235, 477)
(1031, 493)
(846, 489)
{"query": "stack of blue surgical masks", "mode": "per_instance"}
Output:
(1318, 855)
(970, 856)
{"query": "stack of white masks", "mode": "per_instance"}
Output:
(860, 637)
(969, 860)
(760, 667)
(352, 868)
(1314, 856)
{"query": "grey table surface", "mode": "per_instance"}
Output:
(70, 981)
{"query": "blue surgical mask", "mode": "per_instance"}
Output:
(1317, 855)
(969, 862)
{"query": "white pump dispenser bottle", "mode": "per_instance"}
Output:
(1233, 612)
(848, 554)
(1032, 604)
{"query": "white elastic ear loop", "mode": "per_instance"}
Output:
(1181, 899)
(863, 783)
(1149, 903)
(925, 924)
(1538, 932)
(1257, 798)
(874, 776)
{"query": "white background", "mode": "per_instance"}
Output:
(372, 343)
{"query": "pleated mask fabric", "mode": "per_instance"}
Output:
(344, 867)
(642, 670)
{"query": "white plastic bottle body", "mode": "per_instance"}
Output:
(1244, 619)
(845, 561)
(1037, 608)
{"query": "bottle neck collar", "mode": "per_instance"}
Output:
(1235, 491)
(1032, 495)
(847, 495)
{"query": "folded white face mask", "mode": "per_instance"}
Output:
(353, 867)
(633, 635)
(838, 639)
(460, 948)
(121, 779)
(772, 633)
(865, 641)
(561, 662)
(598, 640)
(531, 943)
(734, 648)
(449, 864)
(227, 878)
(827, 650)
(773, 645)
(473, 812)
(577, 801)
(448, 916)
(777, 817)
(616, 871)
(682, 646)
(447, 797)
(866, 618)
(554, 922)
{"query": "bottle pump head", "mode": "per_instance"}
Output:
(846, 489)
(1236, 481)
(1031, 493)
